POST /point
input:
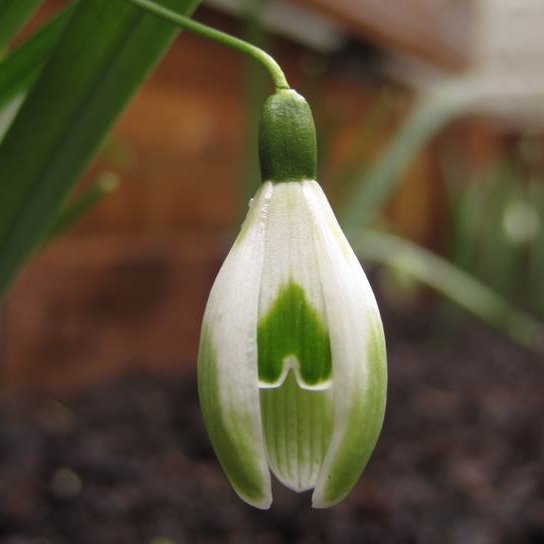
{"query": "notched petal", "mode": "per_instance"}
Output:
(297, 427)
(292, 335)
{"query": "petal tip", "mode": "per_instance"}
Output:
(319, 502)
(262, 503)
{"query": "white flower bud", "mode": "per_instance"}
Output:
(292, 365)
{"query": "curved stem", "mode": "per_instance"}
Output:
(216, 35)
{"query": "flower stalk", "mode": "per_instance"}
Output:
(266, 60)
(291, 367)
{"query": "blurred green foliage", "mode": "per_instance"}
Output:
(497, 229)
(13, 15)
(64, 89)
(494, 261)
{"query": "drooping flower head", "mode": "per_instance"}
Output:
(292, 367)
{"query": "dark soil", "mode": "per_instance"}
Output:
(460, 460)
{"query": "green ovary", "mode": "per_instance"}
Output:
(297, 426)
(292, 330)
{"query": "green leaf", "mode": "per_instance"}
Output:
(13, 15)
(429, 115)
(89, 198)
(23, 65)
(106, 51)
(8, 113)
(452, 282)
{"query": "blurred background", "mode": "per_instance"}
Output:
(430, 117)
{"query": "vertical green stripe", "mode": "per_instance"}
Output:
(230, 433)
(297, 427)
(363, 424)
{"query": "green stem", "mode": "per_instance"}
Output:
(216, 35)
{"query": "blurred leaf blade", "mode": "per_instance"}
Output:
(84, 203)
(84, 86)
(22, 66)
(13, 15)
(452, 282)
(429, 115)
(8, 113)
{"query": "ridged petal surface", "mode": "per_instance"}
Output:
(297, 427)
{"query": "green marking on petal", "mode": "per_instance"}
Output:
(297, 427)
(363, 426)
(292, 334)
(229, 433)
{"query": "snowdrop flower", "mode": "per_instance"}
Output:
(292, 371)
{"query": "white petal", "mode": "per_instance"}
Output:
(358, 356)
(297, 426)
(293, 344)
(228, 378)
(290, 278)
